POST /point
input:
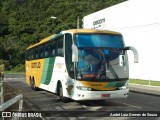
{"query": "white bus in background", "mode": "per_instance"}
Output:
(139, 23)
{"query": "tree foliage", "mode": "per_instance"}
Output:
(25, 22)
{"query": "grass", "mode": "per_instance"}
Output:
(145, 82)
(13, 72)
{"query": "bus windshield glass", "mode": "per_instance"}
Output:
(99, 40)
(95, 51)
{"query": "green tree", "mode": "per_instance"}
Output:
(26, 22)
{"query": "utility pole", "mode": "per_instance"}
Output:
(78, 22)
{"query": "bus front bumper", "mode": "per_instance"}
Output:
(100, 95)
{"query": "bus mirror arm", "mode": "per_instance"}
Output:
(74, 53)
(134, 52)
(74, 58)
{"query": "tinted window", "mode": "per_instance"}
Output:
(59, 48)
(48, 49)
(68, 55)
(99, 40)
(52, 48)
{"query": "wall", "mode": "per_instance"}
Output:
(139, 22)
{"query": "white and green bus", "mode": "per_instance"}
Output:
(80, 64)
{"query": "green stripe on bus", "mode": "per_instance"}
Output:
(44, 71)
(121, 83)
(116, 84)
(47, 70)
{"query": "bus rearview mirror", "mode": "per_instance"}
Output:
(136, 60)
(74, 53)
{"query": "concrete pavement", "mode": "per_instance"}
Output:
(146, 89)
(151, 90)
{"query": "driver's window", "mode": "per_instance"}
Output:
(68, 55)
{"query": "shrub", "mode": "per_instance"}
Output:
(6, 63)
(19, 68)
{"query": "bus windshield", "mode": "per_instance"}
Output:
(99, 40)
(95, 53)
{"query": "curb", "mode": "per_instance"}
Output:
(144, 89)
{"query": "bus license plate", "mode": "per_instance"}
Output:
(105, 95)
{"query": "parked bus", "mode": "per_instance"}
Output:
(81, 64)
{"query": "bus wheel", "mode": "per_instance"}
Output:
(32, 83)
(60, 93)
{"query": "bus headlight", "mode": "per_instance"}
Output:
(84, 88)
(127, 83)
(123, 88)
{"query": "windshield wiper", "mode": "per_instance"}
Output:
(110, 66)
(112, 71)
(106, 60)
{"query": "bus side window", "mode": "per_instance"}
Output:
(60, 47)
(68, 55)
(46, 50)
(52, 48)
(36, 52)
(32, 54)
(27, 55)
(41, 51)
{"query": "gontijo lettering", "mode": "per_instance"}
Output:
(36, 65)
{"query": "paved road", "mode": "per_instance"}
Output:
(46, 101)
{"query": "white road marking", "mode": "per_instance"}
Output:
(13, 78)
(128, 104)
(93, 108)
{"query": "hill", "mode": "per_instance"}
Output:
(25, 22)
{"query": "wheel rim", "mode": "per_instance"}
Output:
(32, 84)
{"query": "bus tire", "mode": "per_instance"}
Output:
(33, 86)
(60, 93)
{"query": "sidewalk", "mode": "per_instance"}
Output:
(151, 90)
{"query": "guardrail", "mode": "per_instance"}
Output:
(13, 101)
(1, 82)
(1, 93)
(5, 105)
